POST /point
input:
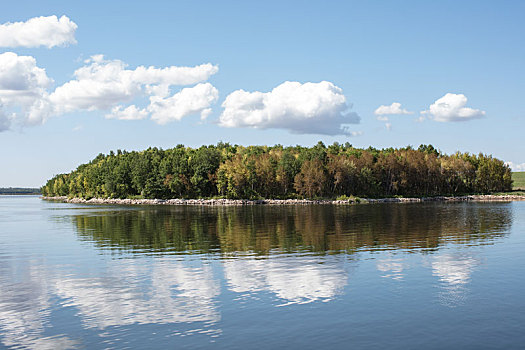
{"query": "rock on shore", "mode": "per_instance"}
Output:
(238, 202)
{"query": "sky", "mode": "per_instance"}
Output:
(82, 78)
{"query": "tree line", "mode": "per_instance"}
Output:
(234, 171)
(19, 190)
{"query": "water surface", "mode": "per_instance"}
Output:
(405, 276)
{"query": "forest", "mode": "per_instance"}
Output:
(252, 172)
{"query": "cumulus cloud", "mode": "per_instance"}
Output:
(516, 166)
(101, 84)
(39, 31)
(23, 89)
(393, 109)
(451, 108)
(188, 101)
(20, 78)
(310, 108)
(105, 85)
(383, 112)
(129, 113)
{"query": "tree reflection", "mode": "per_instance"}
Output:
(287, 229)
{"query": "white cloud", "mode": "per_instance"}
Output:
(174, 75)
(128, 113)
(382, 112)
(102, 84)
(20, 78)
(188, 101)
(451, 108)
(310, 108)
(205, 113)
(393, 109)
(99, 85)
(23, 89)
(5, 123)
(193, 100)
(516, 166)
(105, 85)
(39, 31)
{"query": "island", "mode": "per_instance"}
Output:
(226, 173)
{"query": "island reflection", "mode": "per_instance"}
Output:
(290, 229)
(280, 249)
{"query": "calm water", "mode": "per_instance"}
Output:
(397, 276)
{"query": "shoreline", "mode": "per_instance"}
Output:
(242, 202)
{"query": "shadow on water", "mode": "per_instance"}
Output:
(290, 229)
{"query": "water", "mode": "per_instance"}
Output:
(397, 276)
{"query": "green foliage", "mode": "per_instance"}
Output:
(344, 197)
(282, 172)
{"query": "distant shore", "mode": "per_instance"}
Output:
(15, 191)
(240, 202)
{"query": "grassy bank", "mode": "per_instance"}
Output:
(519, 180)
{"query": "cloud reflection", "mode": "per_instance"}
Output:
(290, 281)
(454, 271)
(25, 308)
(130, 292)
(166, 292)
(392, 267)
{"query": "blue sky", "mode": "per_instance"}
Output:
(370, 54)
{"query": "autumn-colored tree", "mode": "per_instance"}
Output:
(261, 171)
(311, 179)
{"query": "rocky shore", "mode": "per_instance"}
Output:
(238, 202)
